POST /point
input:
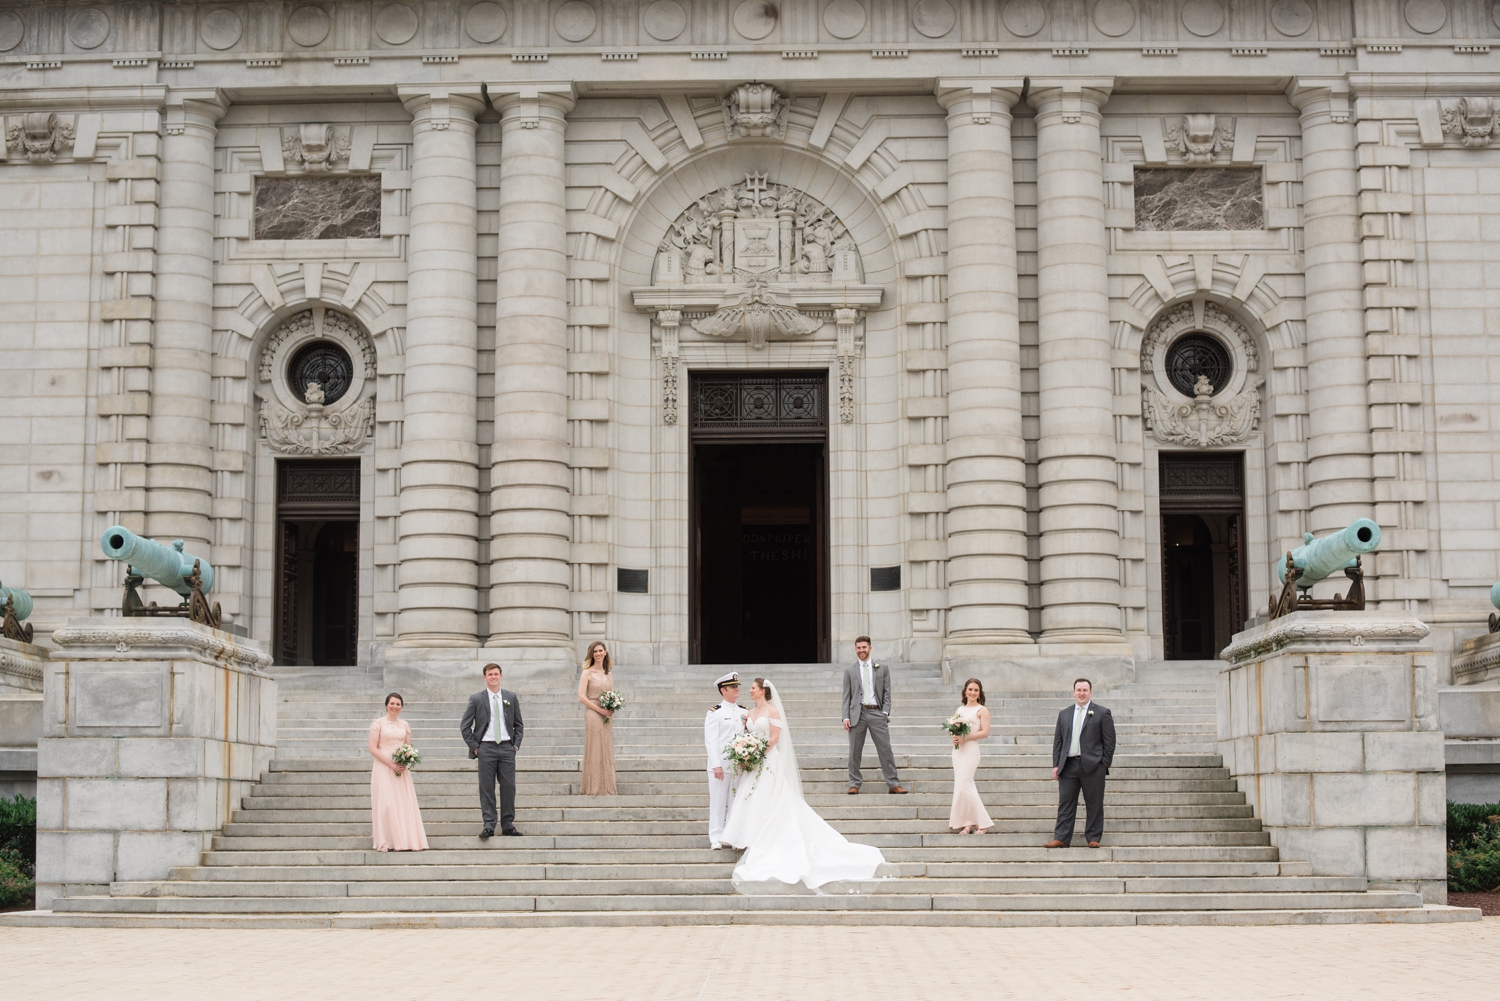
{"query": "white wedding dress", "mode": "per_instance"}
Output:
(788, 847)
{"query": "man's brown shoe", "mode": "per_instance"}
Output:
(854, 790)
(1054, 844)
(898, 791)
(1093, 844)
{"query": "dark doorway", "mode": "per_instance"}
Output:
(1202, 553)
(317, 601)
(759, 478)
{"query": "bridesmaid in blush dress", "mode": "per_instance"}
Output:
(393, 798)
(967, 815)
(598, 731)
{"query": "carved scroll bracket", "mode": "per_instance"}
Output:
(669, 319)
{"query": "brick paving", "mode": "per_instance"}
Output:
(764, 963)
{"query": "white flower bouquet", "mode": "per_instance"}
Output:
(406, 756)
(613, 701)
(747, 752)
(956, 726)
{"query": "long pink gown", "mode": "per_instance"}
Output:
(968, 809)
(393, 798)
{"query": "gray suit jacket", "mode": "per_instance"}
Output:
(477, 719)
(880, 677)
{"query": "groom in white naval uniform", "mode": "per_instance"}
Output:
(724, 721)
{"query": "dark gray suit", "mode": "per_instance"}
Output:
(1084, 773)
(875, 722)
(497, 762)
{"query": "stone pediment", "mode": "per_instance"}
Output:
(757, 258)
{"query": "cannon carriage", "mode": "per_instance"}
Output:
(1318, 559)
(170, 566)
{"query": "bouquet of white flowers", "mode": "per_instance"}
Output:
(747, 751)
(956, 726)
(406, 756)
(613, 701)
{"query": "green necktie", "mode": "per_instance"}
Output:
(498, 719)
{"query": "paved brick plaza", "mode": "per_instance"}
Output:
(770, 963)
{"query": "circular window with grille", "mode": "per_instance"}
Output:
(1198, 356)
(320, 367)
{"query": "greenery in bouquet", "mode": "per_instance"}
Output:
(956, 726)
(406, 756)
(613, 701)
(747, 752)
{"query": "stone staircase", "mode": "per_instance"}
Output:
(1181, 845)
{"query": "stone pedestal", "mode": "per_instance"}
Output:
(153, 729)
(1470, 713)
(21, 666)
(1330, 722)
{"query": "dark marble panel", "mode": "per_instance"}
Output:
(1198, 198)
(317, 208)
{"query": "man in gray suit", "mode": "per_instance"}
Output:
(1083, 748)
(867, 709)
(494, 738)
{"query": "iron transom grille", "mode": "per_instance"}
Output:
(759, 405)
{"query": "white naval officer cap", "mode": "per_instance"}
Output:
(732, 678)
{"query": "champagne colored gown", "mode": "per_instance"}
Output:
(598, 741)
(394, 814)
(967, 808)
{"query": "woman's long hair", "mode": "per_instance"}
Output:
(588, 658)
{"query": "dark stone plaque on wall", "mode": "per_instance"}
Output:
(1198, 198)
(317, 208)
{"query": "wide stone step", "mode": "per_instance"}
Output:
(1156, 838)
(343, 798)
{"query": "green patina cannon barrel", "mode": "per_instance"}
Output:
(1495, 594)
(169, 566)
(1320, 558)
(22, 599)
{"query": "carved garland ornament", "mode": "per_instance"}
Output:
(41, 135)
(315, 147)
(1471, 120)
(294, 427)
(1209, 418)
(1198, 138)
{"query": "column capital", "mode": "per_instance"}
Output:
(1314, 96)
(1070, 97)
(981, 97)
(440, 103)
(528, 102)
(200, 107)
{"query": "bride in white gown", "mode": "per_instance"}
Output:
(785, 842)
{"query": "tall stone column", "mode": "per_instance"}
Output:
(179, 473)
(1080, 535)
(438, 579)
(529, 512)
(1339, 484)
(986, 469)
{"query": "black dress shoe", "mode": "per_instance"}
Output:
(511, 832)
(488, 832)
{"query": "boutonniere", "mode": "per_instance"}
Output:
(1090, 712)
(506, 702)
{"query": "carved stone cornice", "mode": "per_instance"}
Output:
(176, 639)
(1325, 632)
(1477, 660)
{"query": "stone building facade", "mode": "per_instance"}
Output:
(1014, 333)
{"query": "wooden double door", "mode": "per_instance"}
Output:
(759, 517)
(1202, 552)
(317, 545)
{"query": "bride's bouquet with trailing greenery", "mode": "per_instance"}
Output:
(406, 756)
(956, 726)
(748, 751)
(613, 701)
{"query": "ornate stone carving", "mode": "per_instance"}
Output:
(300, 420)
(669, 319)
(754, 311)
(755, 109)
(1199, 138)
(845, 320)
(41, 135)
(315, 147)
(1471, 120)
(1316, 632)
(1183, 318)
(1202, 422)
(316, 431)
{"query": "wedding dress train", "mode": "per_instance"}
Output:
(788, 847)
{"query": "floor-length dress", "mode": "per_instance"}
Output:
(787, 844)
(598, 741)
(968, 810)
(393, 798)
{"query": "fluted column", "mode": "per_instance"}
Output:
(1080, 535)
(179, 473)
(529, 511)
(986, 467)
(438, 577)
(1339, 485)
